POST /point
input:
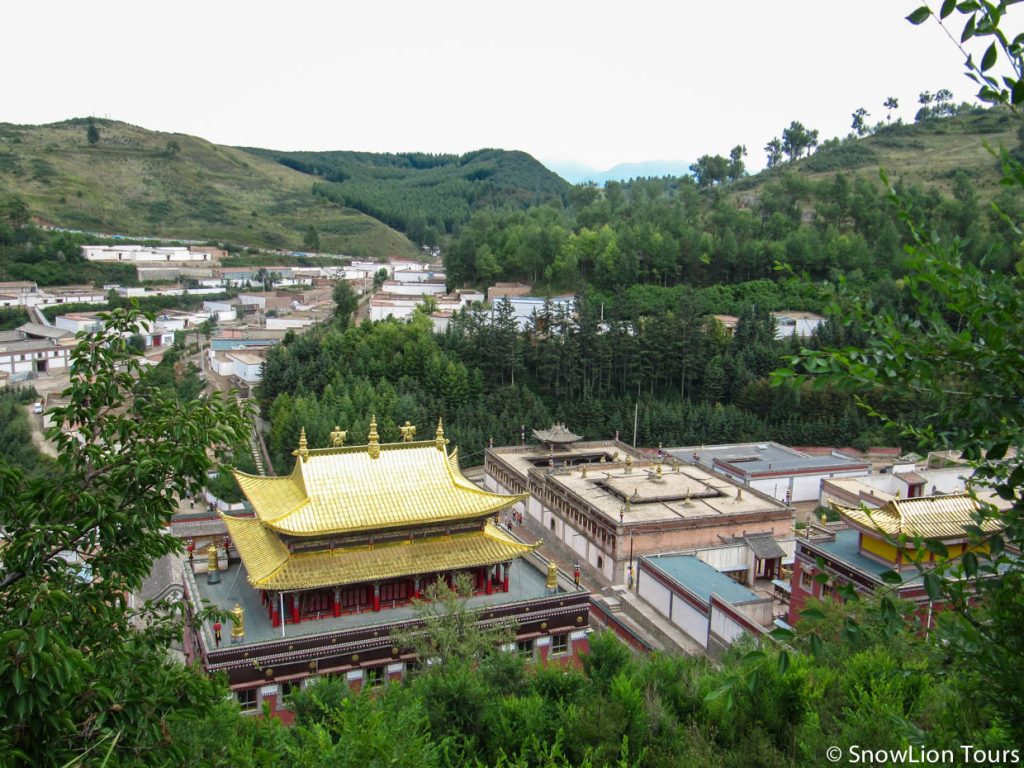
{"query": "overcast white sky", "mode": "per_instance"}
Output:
(595, 82)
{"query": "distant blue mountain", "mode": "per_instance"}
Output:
(577, 173)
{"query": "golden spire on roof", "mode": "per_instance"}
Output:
(373, 447)
(408, 432)
(338, 437)
(439, 439)
(552, 582)
(303, 450)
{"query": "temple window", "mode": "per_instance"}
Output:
(525, 648)
(806, 581)
(559, 645)
(374, 677)
(247, 699)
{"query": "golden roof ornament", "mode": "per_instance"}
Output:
(237, 622)
(302, 451)
(584, 471)
(338, 437)
(212, 565)
(552, 582)
(629, 464)
(440, 441)
(373, 446)
(408, 432)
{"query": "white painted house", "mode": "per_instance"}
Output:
(133, 253)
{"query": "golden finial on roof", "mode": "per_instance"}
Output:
(338, 437)
(629, 463)
(408, 432)
(237, 622)
(212, 565)
(373, 446)
(303, 450)
(552, 582)
(439, 439)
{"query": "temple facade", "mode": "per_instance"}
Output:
(336, 552)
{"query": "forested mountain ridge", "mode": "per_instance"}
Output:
(108, 176)
(426, 196)
(827, 215)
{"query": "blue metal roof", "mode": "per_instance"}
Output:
(700, 579)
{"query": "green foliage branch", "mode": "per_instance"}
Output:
(80, 664)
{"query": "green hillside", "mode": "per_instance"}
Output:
(147, 183)
(426, 196)
(929, 153)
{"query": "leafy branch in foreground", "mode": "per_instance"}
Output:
(83, 666)
(451, 632)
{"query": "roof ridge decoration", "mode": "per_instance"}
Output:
(337, 437)
(440, 441)
(302, 451)
(373, 446)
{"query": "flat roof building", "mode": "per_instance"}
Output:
(783, 473)
(609, 504)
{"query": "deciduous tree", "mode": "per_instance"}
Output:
(84, 673)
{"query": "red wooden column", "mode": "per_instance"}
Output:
(489, 579)
(337, 602)
(376, 596)
(416, 587)
(506, 568)
(296, 615)
(275, 617)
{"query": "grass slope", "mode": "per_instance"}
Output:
(130, 182)
(927, 154)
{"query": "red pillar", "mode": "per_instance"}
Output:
(376, 597)
(336, 603)
(489, 579)
(504, 584)
(416, 587)
(479, 577)
(275, 619)
(296, 616)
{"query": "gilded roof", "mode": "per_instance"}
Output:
(334, 490)
(270, 566)
(927, 517)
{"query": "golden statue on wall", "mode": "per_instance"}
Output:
(338, 437)
(408, 432)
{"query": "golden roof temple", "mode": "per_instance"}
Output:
(370, 514)
(928, 517)
(890, 533)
